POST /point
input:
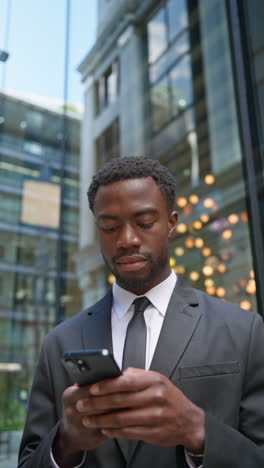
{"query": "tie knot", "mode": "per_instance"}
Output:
(140, 304)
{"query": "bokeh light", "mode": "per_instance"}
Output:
(209, 203)
(194, 275)
(233, 218)
(246, 305)
(206, 251)
(181, 202)
(179, 251)
(227, 234)
(199, 242)
(194, 199)
(111, 278)
(181, 228)
(207, 270)
(209, 179)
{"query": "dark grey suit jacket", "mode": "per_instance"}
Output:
(213, 351)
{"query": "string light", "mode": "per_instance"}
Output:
(209, 179)
(181, 202)
(220, 292)
(244, 217)
(194, 199)
(211, 290)
(194, 275)
(199, 242)
(111, 278)
(225, 254)
(212, 261)
(179, 251)
(222, 268)
(207, 270)
(245, 305)
(233, 218)
(197, 224)
(206, 251)
(209, 282)
(204, 218)
(188, 209)
(179, 269)
(189, 242)
(209, 203)
(251, 287)
(227, 234)
(181, 228)
(172, 262)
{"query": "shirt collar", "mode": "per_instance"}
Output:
(159, 296)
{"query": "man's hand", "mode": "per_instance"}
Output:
(73, 437)
(142, 405)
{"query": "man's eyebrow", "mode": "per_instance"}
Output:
(107, 216)
(146, 211)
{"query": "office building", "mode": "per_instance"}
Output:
(183, 81)
(39, 224)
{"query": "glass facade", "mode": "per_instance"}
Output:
(197, 71)
(196, 93)
(39, 216)
(39, 197)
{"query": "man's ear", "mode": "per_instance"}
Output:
(173, 218)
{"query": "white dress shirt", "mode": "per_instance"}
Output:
(122, 311)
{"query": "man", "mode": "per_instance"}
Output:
(199, 398)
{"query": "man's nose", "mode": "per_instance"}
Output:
(128, 237)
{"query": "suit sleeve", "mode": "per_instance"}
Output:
(42, 420)
(243, 448)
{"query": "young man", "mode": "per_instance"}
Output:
(198, 398)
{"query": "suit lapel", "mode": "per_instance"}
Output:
(181, 319)
(96, 332)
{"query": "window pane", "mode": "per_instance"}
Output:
(177, 16)
(160, 104)
(157, 36)
(178, 48)
(181, 85)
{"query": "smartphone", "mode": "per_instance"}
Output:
(89, 366)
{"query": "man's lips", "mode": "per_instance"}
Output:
(131, 262)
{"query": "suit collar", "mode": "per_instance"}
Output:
(181, 319)
(180, 322)
(96, 332)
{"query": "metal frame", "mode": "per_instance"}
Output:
(249, 168)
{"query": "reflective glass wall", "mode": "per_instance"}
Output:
(40, 120)
(189, 74)
(192, 91)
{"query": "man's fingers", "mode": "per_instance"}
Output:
(74, 393)
(132, 380)
(143, 417)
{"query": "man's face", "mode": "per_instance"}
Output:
(134, 228)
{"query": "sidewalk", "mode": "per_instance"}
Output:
(8, 454)
(9, 462)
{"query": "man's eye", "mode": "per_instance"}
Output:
(146, 225)
(109, 229)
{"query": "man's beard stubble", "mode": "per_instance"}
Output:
(137, 284)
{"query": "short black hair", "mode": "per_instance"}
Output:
(133, 167)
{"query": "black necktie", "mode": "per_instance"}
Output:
(134, 354)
